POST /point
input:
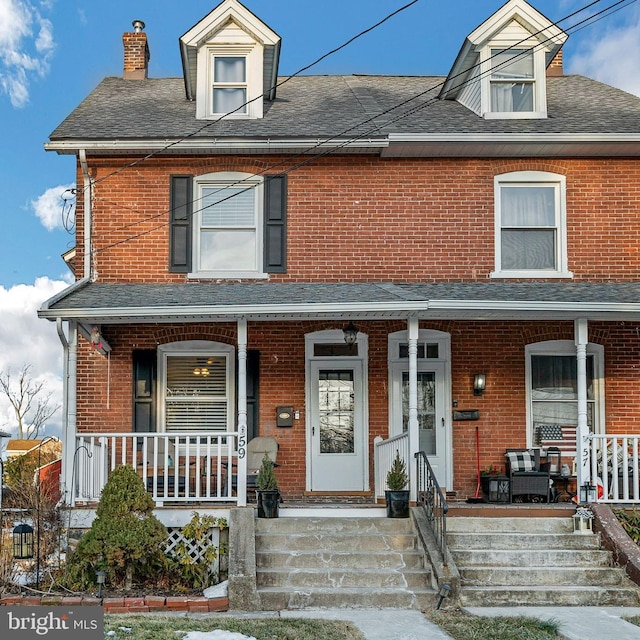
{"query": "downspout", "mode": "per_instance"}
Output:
(87, 199)
(69, 406)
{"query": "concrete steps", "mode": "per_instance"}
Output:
(306, 562)
(534, 561)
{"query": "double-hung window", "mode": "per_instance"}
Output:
(229, 86)
(197, 386)
(530, 210)
(512, 80)
(228, 229)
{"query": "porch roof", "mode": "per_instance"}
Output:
(115, 303)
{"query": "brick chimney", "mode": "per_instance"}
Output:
(555, 68)
(136, 53)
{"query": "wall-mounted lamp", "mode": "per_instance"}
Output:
(479, 383)
(23, 542)
(350, 333)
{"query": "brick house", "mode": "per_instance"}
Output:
(232, 224)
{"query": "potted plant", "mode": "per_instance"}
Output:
(397, 495)
(267, 492)
(486, 474)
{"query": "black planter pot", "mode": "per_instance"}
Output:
(484, 483)
(397, 504)
(268, 503)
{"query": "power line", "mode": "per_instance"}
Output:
(586, 22)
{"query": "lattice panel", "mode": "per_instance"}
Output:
(195, 550)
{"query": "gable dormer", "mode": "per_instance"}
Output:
(230, 63)
(500, 71)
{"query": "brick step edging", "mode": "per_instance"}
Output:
(141, 604)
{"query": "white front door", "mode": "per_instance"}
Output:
(337, 426)
(433, 431)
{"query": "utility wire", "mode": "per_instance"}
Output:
(586, 22)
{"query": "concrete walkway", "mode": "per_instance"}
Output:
(380, 624)
(576, 623)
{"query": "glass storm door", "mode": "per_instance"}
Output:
(431, 418)
(338, 454)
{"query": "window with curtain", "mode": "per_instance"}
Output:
(229, 85)
(531, 235)
(512, 80)
(552, 380)
(554, 390)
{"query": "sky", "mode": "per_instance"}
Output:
(54, 52)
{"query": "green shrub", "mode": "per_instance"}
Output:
(125, 538)
(630, 521)
(266, 479)
(397, 477)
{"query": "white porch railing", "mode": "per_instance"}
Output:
(174, 467)
(615, 461)
(384, 454)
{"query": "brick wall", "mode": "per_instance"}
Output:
(362, 218)
(495, 348)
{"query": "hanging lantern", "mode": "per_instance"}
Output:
(22, 542)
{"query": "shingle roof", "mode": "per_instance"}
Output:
(121, 301)
(326, 106)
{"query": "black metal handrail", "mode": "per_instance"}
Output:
(432, 500)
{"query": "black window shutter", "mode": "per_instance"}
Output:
(180, 224)
(253, 376)
(144, 390)
(275, 224)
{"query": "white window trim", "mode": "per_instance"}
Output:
(196, 348)
(539, 83)
(253, 55)
(567, 348)
(535, 178)
(227, 178)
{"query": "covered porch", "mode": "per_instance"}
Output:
(410, 338)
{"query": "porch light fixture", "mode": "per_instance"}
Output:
(479, 383)
(445, 590)
(101, 576)
(350, 333)
(23, 542)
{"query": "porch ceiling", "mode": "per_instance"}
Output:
(115, 303)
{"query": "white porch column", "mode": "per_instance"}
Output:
(414, 434)
(242, 412)
(581, 333)
(69, 410)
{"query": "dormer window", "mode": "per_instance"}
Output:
(512, 80)
(230, 62)
(500, 71)
(229, 93)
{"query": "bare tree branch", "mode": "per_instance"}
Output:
(30, 400)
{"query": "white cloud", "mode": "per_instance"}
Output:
(611, 56)
(26, 45)
(52, 209)
(25, 339)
